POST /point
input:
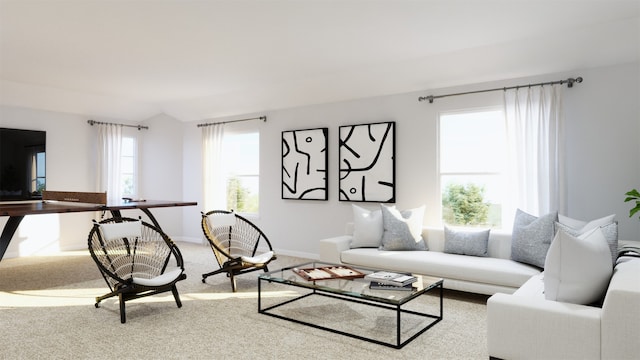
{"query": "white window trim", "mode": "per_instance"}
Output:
(505, 221)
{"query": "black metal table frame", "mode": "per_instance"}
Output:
(371, 302)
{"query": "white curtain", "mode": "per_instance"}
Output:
(213, 168)
(109, 157)
(534, 137)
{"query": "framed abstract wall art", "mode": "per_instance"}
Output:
(304, 164)
(367, 162)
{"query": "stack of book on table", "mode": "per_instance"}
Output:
(385, 280)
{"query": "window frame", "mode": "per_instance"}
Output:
(135, 161)
(240, 131)
(439, 159)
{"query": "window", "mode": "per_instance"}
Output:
(472, 152)
(38, 172)
(128, 166)
(242, 164)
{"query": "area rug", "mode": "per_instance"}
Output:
(47, 312)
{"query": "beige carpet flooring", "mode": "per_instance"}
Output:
(47, 312)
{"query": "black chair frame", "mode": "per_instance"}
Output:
(119, 279)
(230, 243)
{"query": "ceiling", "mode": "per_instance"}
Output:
(195, 60)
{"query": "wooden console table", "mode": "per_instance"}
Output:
(17, 211)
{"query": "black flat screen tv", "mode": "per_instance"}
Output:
(22, 164)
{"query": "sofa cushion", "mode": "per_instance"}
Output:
(367, 227)
(533, 288)
(466, 242)
(609, 230)
(531, 237)
(486, 270)
(577, 269)
(402, 229)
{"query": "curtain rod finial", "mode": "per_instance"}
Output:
(570, 81)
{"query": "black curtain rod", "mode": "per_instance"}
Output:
(263, 118)
(139, 127)
(569, 82)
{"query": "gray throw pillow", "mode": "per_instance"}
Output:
(466, 242)
(531, 237)
(402, 229)
(610, 232)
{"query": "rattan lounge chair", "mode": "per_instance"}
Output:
(136, 259)
(236, 243)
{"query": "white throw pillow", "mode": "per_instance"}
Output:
(222, 219)
(367, 227)
(610, 232)
(118, 230)
(584, 226)
(577, 269)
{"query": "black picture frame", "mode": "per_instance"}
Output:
(305, 164)
(367, 169)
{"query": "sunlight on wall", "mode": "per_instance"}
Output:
(39, 235)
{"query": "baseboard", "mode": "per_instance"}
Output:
(299, 254)
(188, 239)
(11, 254)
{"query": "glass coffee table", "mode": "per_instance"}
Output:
(355, 290)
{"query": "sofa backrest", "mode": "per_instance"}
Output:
(499, 240)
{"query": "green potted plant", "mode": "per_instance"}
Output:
(633, 195)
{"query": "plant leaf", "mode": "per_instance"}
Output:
(633, 193)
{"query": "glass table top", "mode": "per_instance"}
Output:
(357, 287)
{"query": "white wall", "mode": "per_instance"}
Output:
(603, 153)
(70, 167)
(603, 160)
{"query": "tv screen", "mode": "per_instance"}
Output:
(22, 164)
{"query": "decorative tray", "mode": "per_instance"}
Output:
(328, 272)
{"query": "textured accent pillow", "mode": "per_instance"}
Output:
(367, 227)
(531, 237)
(466, 242)
(610, 232)
(577, 269)
(402, 229)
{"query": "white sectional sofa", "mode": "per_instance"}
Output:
(524, 325)
(483, 275)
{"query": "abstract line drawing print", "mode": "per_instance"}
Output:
(367, 162)
(304, 164)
